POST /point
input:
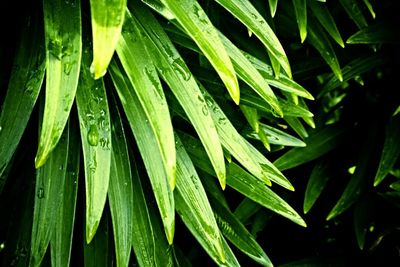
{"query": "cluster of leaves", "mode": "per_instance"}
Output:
(151, 108)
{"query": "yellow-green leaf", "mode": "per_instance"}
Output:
(107, 19)
(194, 20)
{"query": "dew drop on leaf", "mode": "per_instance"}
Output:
(93, 135)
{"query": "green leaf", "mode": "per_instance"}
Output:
(283, 82)
(379, 33)
(97, 253)
(318, 144)
(183, 85)
(370, 8)
(50, 183)
(353, 69)
(241, 149)
(23, 89)
(61, 240)
(273, 4)
(244, 11)
(94, 119)
(321, 12)
(317, 182)
(296, 125)
(289, 109)
(143, 234)
(353, 9)
(120, 197)
(144, 79)
(194, 20)
(276, 136)
(243, 182)
(191, 201)
(62, 20)
(251, 116)
(300, 9)
(362, 218)
(245, 71)
(246, 209)
(391, 150)
(249, 74)
(361, 178)
(148, 147)
(107, 19)
(319, 40)
(237, 234)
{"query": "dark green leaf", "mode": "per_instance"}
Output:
(353, 9)
(391, 150)
(318, 144)
(23, 89)
(61, 240)
(50, 182)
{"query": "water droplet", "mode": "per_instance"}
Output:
(102, 112)
(61, 167)
(1, 128)
(40, 193)
(222, 121)
(180, 67)
(105, 143)
(55, 48)
(200, 13)
(204, 109)
(209, 100)
(126, 183)
(67, 68)
(93, 135)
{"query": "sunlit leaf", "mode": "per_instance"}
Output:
(273, 4)
(191, 201)
(148, 147)
(183, 85)
(243, 182)
(194, 20)
(94, 120)
(276, 136)
(107, 19)
(300, 9)
(62, 20)
(143, 76)
(244, 11)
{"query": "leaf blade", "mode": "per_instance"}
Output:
(107, 19)
(63, 57)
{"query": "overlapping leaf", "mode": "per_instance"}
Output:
(94, 119)
(23, 89)
(62, 20)
(148, 147)
(180, 80)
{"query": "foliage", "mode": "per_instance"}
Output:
(179, 128)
